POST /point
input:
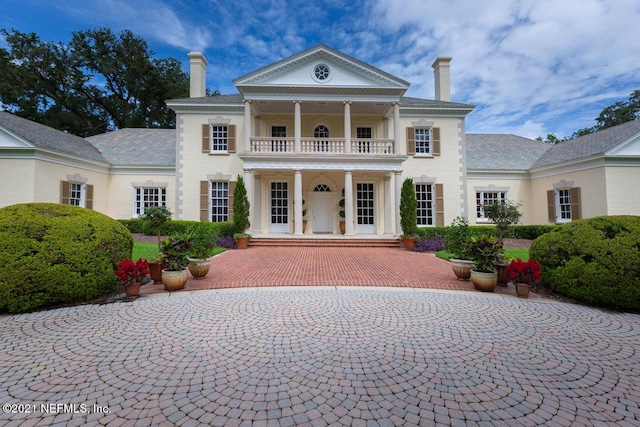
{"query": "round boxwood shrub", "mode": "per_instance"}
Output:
(57, 254)
(594, 260)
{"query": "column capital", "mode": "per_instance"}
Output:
(397, 172)
(347, 102)
(247, 100)
(248, 170)
(297, 101)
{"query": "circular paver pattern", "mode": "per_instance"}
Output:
(320, 357)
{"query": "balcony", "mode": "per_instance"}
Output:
(365, 147)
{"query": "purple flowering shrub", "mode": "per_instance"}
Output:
(226, 242)
(432, 244)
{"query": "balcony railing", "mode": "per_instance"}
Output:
(322, 145)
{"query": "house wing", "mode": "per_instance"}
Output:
(322, 68)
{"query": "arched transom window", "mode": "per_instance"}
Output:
(320, 132)
(322, 188)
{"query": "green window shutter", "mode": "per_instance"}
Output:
(439, 205)
(435, 143)
(88, 197)
(551, 205)
(231, 138)
(206, 141)
(576, 212)
(411, 141)
(65, 192)
(204, 201)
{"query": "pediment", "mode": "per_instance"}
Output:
(321, 67)
(10, 140)
(628, 148)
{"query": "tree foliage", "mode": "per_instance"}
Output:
(240, 206)
(408, 208)
(97, 82)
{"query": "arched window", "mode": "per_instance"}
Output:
(322, 188)
(320, 133)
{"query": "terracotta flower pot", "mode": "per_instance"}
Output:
(242, 242)
(155, 270)
(132, 290)
(484, 282)
(409, 243)
(522, 290)
(501, 269)
(174, 280)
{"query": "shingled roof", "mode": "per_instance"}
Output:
(45, 137)
(590, 145)
(137, 147)
(502, 151)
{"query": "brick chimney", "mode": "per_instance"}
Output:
(442, 78)
(198, 75)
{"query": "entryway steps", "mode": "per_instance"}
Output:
(335, 242)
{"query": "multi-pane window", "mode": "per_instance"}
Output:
(424, 194)
(564, 205)
(219, 135)
(75, 194)
(146, 197)
(487, 198)
(423, 140)
(319, 133)
(219, 201)
(279, 144)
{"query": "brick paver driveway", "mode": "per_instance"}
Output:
(321, 356)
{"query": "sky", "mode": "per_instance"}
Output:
(531, 67)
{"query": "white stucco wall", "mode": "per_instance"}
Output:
(121, 192)
(593, 192)
(17, 181)
(622, 190)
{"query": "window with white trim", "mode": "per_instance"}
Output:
(76, 194)
(424, 194)
(219, 138)
(147, 197)
(488, 198)
(563, 205)
(219, 201)
(423, 140)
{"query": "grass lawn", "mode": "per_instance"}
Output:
(150, 250)
(523, 254)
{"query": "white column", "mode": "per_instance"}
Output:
(387, 205)
(347, 127)
(397, 176)
(248, 180)
(348, 203)
(256, 209)
(396, 129)
(247, 127)
(297, 203)
(297, 127)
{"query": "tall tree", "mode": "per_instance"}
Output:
(615, 114)
(99, 81)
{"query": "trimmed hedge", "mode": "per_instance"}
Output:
(596, 260)
(57, 254)
(515, 231)
(220, 229)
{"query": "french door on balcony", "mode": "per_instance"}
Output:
(279, 218)
(365, 208)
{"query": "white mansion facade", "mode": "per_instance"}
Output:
(312, 130)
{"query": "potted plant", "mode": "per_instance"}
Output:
(503, 214)
(408, 214)
(241, 214)
(175, 251)
(341, 214)
(131, 275)
(201, 250)
(484, 250)
(153, 218)
(523, 274)
(455, 239)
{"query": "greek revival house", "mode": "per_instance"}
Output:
(309, 132)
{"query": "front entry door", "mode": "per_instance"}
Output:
(279, 218)
(322, 212)
(365, 208)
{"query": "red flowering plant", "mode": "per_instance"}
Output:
(520, 271)
(131, 272)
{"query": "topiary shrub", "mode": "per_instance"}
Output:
(596, 260)
(57, 254)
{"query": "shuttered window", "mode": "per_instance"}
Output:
(76, 194)
(423, 141)
(216, 200)
(218, 138)
(564, 205)
(426, 205)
